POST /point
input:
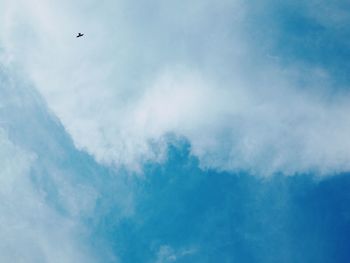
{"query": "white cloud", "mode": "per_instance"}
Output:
(140, 74)
(30, 230)
(43, 195)
(167, 254)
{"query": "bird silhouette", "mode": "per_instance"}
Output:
(80, 35)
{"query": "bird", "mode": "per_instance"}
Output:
(80, 35)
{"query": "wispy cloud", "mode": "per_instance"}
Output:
(30, 229)
(48, 188)
(167, 254)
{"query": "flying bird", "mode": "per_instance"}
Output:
(80, 35)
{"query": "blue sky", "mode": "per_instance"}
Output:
(174, 131)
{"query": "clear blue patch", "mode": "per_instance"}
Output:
(233, 218)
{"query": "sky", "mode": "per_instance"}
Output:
(174, 131)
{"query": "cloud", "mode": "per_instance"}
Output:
(30, 229)
(49, 190)
(145, 71)
(168, 254)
